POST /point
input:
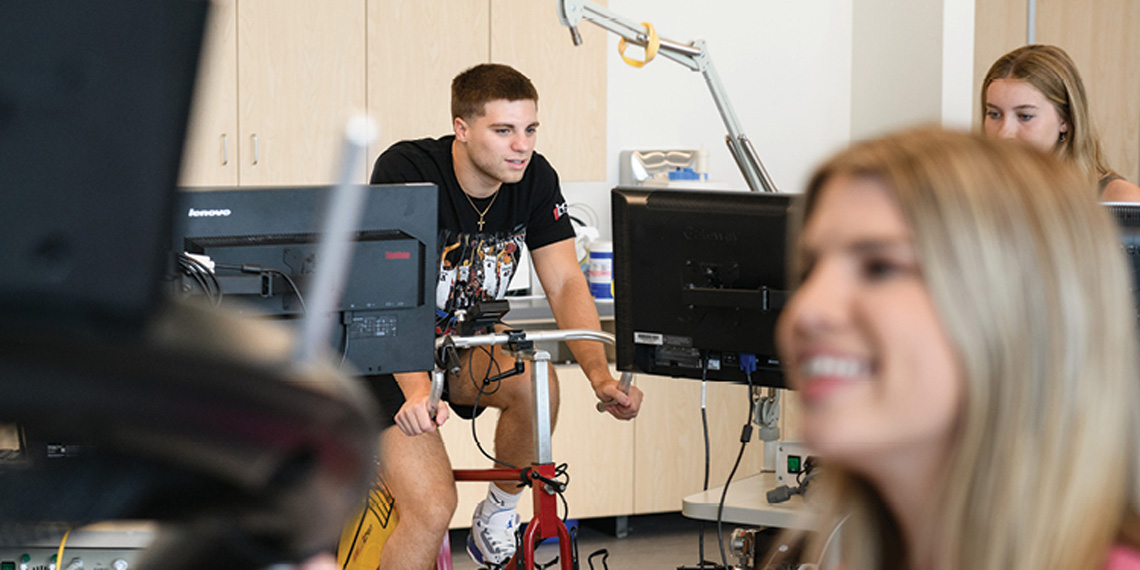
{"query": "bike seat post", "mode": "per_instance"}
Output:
(540, 374)
(545, 523)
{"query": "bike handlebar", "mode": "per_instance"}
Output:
(498, 339)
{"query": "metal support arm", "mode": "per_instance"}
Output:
(692, 55)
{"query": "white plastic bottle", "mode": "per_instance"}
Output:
(600, 270)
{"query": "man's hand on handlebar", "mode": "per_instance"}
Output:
(415, 419)
(415, 416)
(619, 404)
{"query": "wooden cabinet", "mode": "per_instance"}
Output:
(1103, 38)
(301, 78)
(669, 458)
(279, 78)
(571, 82)
(621, 468)
(415, 48)
(210, 156)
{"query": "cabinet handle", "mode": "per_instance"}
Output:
(225, 149)
(255, 153)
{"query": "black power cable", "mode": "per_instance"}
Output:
(705, 431)
(705, 486)
(292, 285)
(605, 554)
(745, 437)
(481, 386)
(257, 269)
(202, 275)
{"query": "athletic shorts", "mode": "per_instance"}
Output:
(388, 394)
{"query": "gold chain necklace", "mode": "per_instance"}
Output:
(485, 210)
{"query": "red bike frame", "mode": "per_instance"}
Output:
(545, 522)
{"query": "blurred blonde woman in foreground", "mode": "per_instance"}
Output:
(964, 344)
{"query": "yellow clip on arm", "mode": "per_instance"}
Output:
(650, 48)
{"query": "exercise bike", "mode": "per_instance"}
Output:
(363, 538)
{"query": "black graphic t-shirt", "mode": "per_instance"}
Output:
(475, 264)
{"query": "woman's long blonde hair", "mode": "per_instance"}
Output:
(1052, 72)
(1031, 285)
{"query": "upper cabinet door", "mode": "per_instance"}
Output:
(415, 48)
(571, 82)
(280, 78)
(210, 156)
(1103, 38)
(301, 68)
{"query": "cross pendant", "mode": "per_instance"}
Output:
(480, 222)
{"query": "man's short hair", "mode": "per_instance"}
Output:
(486, 82)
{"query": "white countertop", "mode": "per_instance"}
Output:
(747, 503)
(534, 308)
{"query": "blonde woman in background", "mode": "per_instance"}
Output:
(1034, 94)
(963, 341)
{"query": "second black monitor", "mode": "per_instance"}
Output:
(699, 281)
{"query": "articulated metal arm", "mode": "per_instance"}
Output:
(694, 56)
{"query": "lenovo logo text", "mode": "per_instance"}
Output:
(208, 213)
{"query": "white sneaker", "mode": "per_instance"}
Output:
(492, 538)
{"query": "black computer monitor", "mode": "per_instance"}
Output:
(94, 98)
(699, 281)
(262, 245)
(1128, 220)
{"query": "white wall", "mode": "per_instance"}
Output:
(805, 78)
(958, 64)
(912, 63)
(786, 67)
(896, 79)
